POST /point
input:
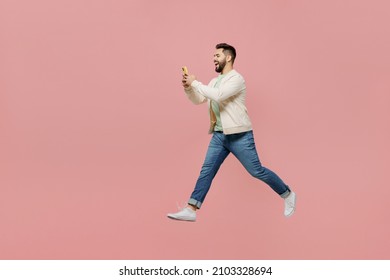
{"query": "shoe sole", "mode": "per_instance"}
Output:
(293, 211)
(183, 220)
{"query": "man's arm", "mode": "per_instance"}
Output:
(228, 88)
(195, 97)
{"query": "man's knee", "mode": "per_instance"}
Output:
(259, 172)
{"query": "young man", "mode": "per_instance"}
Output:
(232, 132)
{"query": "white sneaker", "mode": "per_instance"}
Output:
(289, 204)
(185, 214)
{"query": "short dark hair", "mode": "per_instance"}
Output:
(227, 50)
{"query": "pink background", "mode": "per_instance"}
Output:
(98, 141)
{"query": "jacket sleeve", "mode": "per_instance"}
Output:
(195, 97)
(232, 86)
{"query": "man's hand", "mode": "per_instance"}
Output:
(187, 80)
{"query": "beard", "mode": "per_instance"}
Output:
(220, 66)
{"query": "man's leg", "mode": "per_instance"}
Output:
(215, 156)
(243, 146)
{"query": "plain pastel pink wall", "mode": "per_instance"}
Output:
(98, 141)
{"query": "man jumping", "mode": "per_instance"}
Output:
(231, 131)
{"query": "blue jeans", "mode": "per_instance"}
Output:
(242, 145)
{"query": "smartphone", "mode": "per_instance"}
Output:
(185, 70)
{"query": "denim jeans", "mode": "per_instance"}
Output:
(242, 146)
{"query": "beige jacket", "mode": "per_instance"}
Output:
(230, 96)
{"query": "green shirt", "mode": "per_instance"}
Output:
(215, 106)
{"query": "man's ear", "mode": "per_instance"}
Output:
(229, 58)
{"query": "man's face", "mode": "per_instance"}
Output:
(219, 60)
